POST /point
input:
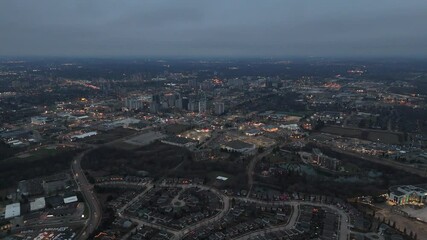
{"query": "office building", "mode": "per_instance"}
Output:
(219, 108)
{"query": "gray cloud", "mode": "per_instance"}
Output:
(213, 28)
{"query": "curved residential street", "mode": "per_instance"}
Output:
(179, 234)
(95, 211)
(344, 230)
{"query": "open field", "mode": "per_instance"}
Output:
(109, 136)
(145, 138)
(36, 155)
(366, 134)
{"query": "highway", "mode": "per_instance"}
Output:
(95, 211)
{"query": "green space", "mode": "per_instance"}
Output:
(366, 134)
(157, 159)
(6, 151)
(44, 163)
(211, 176)
(109, 136)
(361, 177)
(176, 128)
(34, 155)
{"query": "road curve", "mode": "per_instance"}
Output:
(95, 211)
(343, 216)
(251, 168)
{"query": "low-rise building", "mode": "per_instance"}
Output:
(12, 210)
(38, 120)
(239, 146)
(407, 194)
(179, 141)
(37, 204)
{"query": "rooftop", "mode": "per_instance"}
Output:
(237, 144)
(12, 210)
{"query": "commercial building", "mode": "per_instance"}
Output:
(202, 106)
(219, 108)
(179, 141)
(55, 183)
(70, 199)
(37, 204)
(12, 210)
(38, 120)
(192, 106)
(83, 135)
(408, 194)
(253, 132)
(270, 128)
(133, 103)
(178, 103)
(154, 107)
(239, 146)
(171, 98)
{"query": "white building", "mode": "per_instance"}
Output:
(37, 204)
(84, 135)
(38, 120)
(70, 199)
(239, 146)
(292, 127)
(180, 141)
(12, 210)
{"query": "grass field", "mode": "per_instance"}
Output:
(105, 137)
(366, 134)
(33, 156)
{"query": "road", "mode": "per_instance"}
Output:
(122, 209)
(251, 168)
(343, 231)
(92, 202)
(344, 219)
(95, 211)
(289, 225)
(178, 234)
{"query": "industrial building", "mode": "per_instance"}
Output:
(12, 210)
(37, 204)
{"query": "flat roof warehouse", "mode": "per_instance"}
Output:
(12, 210)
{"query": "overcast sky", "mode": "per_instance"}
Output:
(262, 28)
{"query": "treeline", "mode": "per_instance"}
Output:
(11, 172)
(6, 151)
(157, 159)
(201, 169)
